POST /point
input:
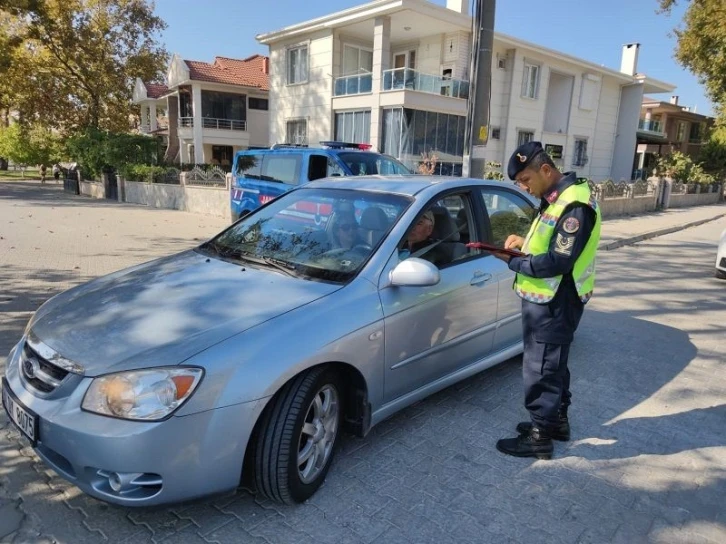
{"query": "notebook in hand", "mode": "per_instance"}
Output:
(491, 247)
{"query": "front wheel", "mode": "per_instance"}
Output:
(720, 274)
(297, 436)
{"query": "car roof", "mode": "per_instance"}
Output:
(409, 185)
(292, 149)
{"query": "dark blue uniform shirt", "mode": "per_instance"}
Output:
(556, 321)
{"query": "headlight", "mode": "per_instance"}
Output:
(145, 395)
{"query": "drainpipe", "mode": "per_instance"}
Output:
(476, 131)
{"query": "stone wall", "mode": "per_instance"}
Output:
(94, 189)
(213, 201)
(614, 207)
(682, 201)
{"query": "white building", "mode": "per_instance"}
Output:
(208, 110)
(394, 73)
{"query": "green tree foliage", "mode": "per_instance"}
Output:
(702, 45)
(681, 167)
(713, 154)
(97, 151)
(71, 64)
(26, 146)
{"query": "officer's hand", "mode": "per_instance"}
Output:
(514, 242)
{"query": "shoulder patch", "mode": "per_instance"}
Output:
(564, 244)
(571, 225)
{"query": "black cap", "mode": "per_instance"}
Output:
(522, 156)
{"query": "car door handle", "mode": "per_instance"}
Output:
(480, 277)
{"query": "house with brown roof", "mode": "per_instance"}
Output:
(207, 111)
(666, 127)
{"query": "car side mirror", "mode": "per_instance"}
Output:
(414, 272)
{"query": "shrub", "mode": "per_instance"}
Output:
(143, 172)
(99, 151)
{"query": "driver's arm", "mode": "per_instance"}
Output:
(565, 247)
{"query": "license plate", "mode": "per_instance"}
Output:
(25, 420)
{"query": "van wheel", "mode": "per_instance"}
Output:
(243, 213)
(720, 274)
(298, 435)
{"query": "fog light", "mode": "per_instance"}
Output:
(121, 481)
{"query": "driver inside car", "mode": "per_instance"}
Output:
(419, 238)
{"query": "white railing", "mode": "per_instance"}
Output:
(408, 79)
(355, 84)
(215, 123)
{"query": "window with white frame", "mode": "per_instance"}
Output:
(353, 126)
(530, 81)
(357, 60)
(297, 64)
(297, 132)
(524, 136)
(580, 156)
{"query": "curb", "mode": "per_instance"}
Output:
(655, 233)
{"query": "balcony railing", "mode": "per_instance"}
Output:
(406, 78)
(355, 84)
(213, 122)
(650, 126)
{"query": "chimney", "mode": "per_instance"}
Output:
(629, 61)
(674, 99)
(265, 65)
(459, 6)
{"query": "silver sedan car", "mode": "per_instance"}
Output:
(243, 359)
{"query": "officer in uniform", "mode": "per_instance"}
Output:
(554, 279)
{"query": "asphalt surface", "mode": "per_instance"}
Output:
(647, 462)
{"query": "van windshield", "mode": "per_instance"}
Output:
(368, 164)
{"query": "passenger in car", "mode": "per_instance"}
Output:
(344, 231)
(419, 237)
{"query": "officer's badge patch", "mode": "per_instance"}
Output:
(522, 158)
(564, 244)
(571, 225)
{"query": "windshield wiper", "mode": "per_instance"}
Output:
(283, 266)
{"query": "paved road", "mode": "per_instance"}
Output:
(648, 463)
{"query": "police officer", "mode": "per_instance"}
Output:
(554, 279)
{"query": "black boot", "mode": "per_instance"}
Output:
(536, 443)
(561, 432)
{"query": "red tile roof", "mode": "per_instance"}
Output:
(249, 72)
(156, 90)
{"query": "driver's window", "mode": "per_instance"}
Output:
(508, 214)
(440, 233)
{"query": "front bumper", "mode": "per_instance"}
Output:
(138, 463)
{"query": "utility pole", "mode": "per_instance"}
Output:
(480, 86)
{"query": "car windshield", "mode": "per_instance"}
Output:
(322, 234)
(365, 164)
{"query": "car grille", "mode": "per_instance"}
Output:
(40, 373)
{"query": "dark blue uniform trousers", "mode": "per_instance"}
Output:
(546, 381)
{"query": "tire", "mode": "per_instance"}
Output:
(720, 274)
(280, 440)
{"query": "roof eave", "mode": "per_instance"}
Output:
(652, 85)
(332, 20)
(516, 42)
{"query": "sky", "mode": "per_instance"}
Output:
(203, 29)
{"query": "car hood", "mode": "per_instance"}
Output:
(166, 311)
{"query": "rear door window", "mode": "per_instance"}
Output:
(283, 168)
(249, 166)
